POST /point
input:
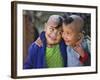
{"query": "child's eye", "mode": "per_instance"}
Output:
(66, 33)
(59, 32)
(51, 29)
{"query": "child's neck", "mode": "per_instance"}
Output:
(51, 45)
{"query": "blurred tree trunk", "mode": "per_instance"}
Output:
(28, 35)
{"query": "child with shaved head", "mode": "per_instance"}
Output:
(78, 46)
(53, 52)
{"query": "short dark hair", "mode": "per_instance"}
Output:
(60, 22)
(67, 19)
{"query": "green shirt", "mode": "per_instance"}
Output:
(53, 57)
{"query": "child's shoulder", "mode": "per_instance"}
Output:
(34, 45)
(86, 39)
(86, 43)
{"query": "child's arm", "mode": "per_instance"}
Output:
(39, 42)
(83, 55)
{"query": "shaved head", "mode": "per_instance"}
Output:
(78, 22)
(75, 21)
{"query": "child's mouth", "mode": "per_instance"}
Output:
(67, 41)
(52, 38)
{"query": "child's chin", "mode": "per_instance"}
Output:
(53, 42)
(67, 44)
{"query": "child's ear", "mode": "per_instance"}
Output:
(80, 35)
(45, 26)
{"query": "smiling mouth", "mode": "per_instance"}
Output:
(52, 38)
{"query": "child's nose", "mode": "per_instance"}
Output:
(55, 33)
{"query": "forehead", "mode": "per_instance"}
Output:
(53, 23)
(56, 28)
(70, 28)
(71, 25)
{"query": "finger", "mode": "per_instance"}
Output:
(78, 46)
(38, 42)
(79, 42)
